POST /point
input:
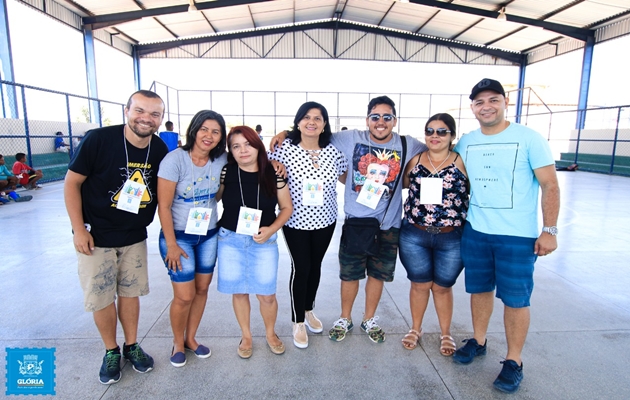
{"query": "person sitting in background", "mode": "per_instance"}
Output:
(169, 137)
(60, 145)
(30, 176)
(8, 183)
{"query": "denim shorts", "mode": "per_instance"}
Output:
(201, 250)
(430, 257)
(504, 262)
(353, 267)
(246, 267)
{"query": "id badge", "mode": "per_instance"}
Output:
(370, 194)
(431, 190)
(130, 196)
(313, 192)
(198, 221)
(248, 221)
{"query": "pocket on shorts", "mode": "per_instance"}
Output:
(272, 239)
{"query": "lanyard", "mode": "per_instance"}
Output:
(192, 174)
(146, 162)
(241, 187)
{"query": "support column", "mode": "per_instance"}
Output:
(521, 87)
(6, 59)
(136, 68)
(90, 66)
(587, 64)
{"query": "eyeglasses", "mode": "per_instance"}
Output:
(440, 131)
(376, 117)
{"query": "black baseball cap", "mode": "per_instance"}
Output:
(486, 84)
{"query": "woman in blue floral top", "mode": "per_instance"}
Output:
(430, 235)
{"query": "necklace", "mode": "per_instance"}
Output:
(435, 169)
(314, 156)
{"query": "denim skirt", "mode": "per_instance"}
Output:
(245, 266)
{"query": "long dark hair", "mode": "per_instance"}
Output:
(196, 123)
(265, 169)
(296, 136)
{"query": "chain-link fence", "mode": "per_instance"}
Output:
(33, 119)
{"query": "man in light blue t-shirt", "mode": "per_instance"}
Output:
(507, 163)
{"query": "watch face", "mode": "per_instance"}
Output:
(552, 230)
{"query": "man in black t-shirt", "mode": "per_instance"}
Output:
(111, 197)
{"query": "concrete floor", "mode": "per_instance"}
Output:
(578, 345)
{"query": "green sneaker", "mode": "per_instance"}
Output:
(374, 331)
(340, 329)
(110, 370)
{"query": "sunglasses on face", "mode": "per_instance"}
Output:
(440, 131)
(376, 117)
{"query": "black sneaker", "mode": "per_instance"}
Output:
(110, 370)
(141, 361)
(472, 349)
(510, 377)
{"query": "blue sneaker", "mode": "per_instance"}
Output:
(110, 369)
(201, 352)
(141, 361)
(178, 359)
(472, 349)
(510, 377)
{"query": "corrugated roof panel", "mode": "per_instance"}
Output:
(56, 10)
(279, 46)
(271, 6)
(389, 49)
(165, 3)
(366, 12)
(586, 13)
(490, 5)
(100, 7)
(407, 18)
(486, 31)
(220, 49)
(533, 8)
(613, 30)
(272, 18)
(314, 10)
(525, 39)
(421, 52)
(355, 45)
(247, 47)
(187, 24)
(232, 24)
(447, 24)
(224, 13)
(306, 47)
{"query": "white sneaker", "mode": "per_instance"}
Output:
(313, 323)
(300, 338)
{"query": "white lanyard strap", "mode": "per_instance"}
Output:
(241, 187)
(146, 162)
(192, 174)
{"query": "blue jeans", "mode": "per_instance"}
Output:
(201, 250)
(430, 257)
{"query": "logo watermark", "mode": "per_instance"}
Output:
(30, 371)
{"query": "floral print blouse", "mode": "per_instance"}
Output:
(452, 211)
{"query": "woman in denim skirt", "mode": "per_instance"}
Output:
(248, 248)
(430, 235)
(188, 181)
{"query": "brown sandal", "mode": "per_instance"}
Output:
(447, 345)
(244, 353)
(412, 339)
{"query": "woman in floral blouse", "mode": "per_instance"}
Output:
(430, 235)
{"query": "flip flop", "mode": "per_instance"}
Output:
(412, 339)
(447, 345)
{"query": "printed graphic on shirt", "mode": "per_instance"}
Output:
(205, 187)
(493, 185)
(381, 165)
(136, 176)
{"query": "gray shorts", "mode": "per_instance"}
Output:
(114, 271)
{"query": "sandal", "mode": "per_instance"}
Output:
(412, 339)
(279, 349)
(447, 345)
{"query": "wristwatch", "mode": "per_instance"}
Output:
(552, 230)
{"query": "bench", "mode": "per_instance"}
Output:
(596, 163)
(53, 165)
